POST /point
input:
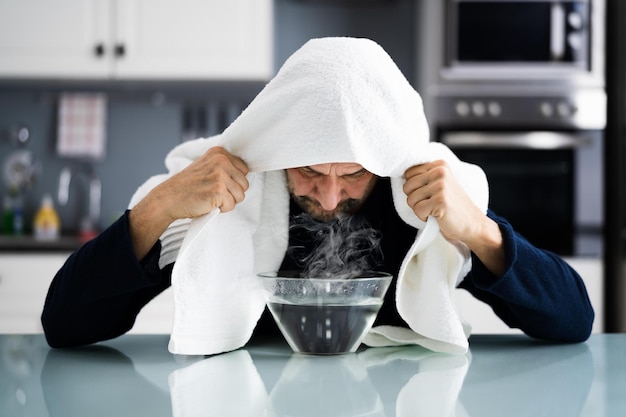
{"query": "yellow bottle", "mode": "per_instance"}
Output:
(47, 225)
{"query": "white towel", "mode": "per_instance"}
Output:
(82, 120)
(334, 100)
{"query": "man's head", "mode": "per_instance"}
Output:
(326, 191)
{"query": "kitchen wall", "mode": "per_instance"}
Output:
(146, 120)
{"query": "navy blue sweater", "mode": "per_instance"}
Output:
(101, 288)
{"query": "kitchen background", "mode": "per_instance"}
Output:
(146, 119)
(147, 115)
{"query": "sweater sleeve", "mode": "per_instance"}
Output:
(98, 292)
(539, 293)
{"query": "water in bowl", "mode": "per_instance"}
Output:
(324, 328)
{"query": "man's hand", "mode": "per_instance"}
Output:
(432, 190)
(215, 180)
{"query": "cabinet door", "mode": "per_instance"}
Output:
(24, 282)
(56, 39)
(194, 39)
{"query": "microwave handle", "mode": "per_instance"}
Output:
(557, 31)
(528, 140)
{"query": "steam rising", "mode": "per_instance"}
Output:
(343, 248)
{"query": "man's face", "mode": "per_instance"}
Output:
(326, 191)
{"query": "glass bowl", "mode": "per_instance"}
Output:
(324, 316)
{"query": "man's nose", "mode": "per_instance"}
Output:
(330, 193)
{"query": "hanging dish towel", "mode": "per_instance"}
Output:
(82, 120)
(334, 100)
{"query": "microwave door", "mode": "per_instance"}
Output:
(527, 33)
(501, 32)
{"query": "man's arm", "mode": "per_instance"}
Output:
(538, 292)
(98, 292)
(101, 288)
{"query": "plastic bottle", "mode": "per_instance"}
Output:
(46, 224)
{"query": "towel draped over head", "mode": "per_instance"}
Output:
(334, 100)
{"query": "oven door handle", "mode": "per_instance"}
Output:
(528, 140)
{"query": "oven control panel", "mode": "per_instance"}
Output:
(583, 110)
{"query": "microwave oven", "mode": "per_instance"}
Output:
(516, 38)
(531, 64)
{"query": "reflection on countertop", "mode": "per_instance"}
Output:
(511, 375)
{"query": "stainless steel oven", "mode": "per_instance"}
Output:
(543, 156)
(546, 183)
(545, 172)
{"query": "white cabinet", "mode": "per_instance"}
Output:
(24, 282)
(137, 39)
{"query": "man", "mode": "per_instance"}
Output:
(338, 120)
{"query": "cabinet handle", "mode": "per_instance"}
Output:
(120, 50)
(98, 50)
